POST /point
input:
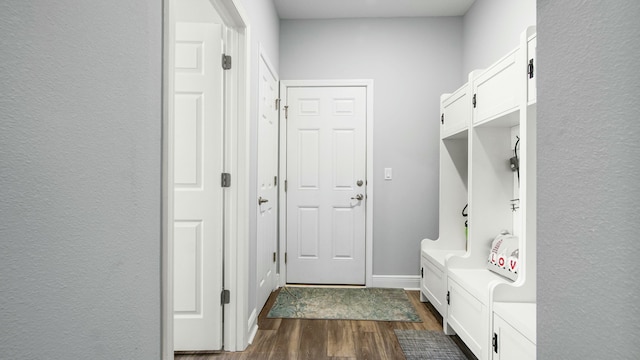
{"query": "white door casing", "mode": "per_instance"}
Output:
(327, 182)
(198, 197)
(267, 217)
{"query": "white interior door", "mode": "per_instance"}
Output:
(326, 168)
(198, 200)
(267, 222)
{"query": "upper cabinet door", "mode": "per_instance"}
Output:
(456, 112)
(531, 70)
(496, 91)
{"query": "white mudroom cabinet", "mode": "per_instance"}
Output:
(480, 272)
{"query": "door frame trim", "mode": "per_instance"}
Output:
(368, 84)
(236, 161)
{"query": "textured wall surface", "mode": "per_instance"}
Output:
(492, 28)
(588, 175)
(412, 61)
(80, 126)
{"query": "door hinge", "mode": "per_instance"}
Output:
(442, 118)
(274, 256)
(286, 112)
(225, 297)
(422, 273)
(495, 343)
(285, 186)
(277, 104)
(226, 62)
(226, 180)
(275, 181)
(473, 101)
(530, 71)
(448, 297)
(285, 258)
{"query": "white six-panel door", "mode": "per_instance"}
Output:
(198, 198)
(267, 222)
(326, 174)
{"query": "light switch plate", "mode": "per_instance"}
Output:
(388, 175)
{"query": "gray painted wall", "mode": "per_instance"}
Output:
(492, 28)
(80, 131)
(412, 61)
(264, 31)
(588, 175)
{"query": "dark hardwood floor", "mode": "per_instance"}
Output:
(329, 339)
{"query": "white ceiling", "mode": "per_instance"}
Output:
(334, 9)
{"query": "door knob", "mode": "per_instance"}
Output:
(358, 197)
(359, 182)
(262, 201)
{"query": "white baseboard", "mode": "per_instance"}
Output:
(407, 282)
(253, 325)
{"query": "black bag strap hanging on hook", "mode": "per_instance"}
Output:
(464, 214)
(515, 153)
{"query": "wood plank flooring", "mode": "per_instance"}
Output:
(329, 339)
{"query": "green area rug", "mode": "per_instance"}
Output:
(425, 344)
(343, 303)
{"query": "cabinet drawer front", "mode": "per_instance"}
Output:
(467, 315)
(434, 286)
(511, 343)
